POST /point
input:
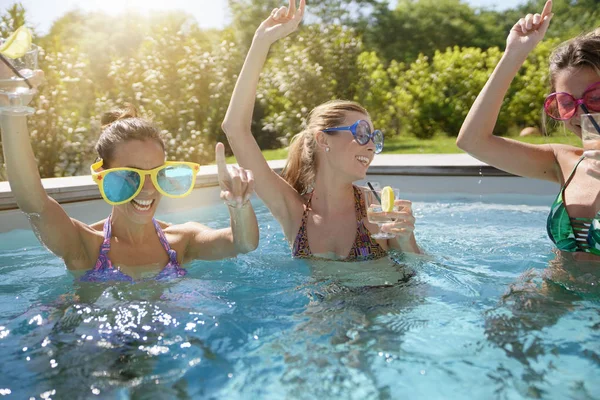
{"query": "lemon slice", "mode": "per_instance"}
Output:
(387, 199)
(17, 44)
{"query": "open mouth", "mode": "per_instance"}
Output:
(363, 160)
(142, 205)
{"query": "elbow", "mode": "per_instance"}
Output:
(226, 126)
(248, 245)
(229, 127)
(463, 143)
(245, 249)
(232, 128)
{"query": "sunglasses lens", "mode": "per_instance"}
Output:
(121, 185)
(176, 180)
(378, 140)
(363, 133)
(561, 106)
(592, 99)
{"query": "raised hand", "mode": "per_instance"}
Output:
(529, 31)
(237, 183)
(281, 22)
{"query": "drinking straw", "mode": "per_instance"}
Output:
(592, 120)
(13, 69)
(375, 191)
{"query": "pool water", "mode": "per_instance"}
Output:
(480, 318)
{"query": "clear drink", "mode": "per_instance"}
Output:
(590, 131)
(376, 215)
(15, 93)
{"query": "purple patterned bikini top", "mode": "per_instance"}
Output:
(364, 247)
(104, 270)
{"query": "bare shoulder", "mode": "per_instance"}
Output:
(566, 150)
(566, 157)
(95, 227)
(90, 233)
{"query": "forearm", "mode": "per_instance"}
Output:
(244, 228)
(241, 106)
(481, 119)
(407, 245)
(23, 174)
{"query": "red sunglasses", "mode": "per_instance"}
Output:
(562, 106)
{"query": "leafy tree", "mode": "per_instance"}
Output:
(423, 26)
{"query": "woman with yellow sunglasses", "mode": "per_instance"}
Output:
(132, 176)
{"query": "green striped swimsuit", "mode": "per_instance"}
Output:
(572, 234)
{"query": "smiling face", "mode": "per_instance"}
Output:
(145, 155)
(575, 81)
(346, 156)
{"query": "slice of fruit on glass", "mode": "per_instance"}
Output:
(387, 199)
(17, 44)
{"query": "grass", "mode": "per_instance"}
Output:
(437, 145)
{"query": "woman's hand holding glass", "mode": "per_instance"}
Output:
(397, 222)
(403, 220)
(19, 76)
(237, 183)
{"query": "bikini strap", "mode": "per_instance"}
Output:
(572, 174)
(359, 204)
(165, 244)
(103, 260)
(307, 207)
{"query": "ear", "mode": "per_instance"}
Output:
(322, 140)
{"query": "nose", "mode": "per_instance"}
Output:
(148, 185)
(370, 145)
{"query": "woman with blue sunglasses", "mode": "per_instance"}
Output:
(132, 176)
(322, 213)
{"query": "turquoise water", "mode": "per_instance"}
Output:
(476, 320)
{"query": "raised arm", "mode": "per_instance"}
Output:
(476, 134)
(283, 201)
(55, 229)
(237, 186)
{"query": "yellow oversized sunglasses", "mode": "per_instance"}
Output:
(120, 185)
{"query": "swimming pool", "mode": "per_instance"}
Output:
(470, 323)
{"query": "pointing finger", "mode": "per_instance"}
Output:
(291, 9)
(547, 9)
(221, 163)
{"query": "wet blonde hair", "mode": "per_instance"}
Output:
(122, 125)
(301, 166)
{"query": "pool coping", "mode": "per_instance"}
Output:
(82, 188)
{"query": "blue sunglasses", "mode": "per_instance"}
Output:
(362, 134)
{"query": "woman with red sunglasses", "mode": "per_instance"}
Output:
(575, 81)
(322, 213)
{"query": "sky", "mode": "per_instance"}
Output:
(208, 13)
